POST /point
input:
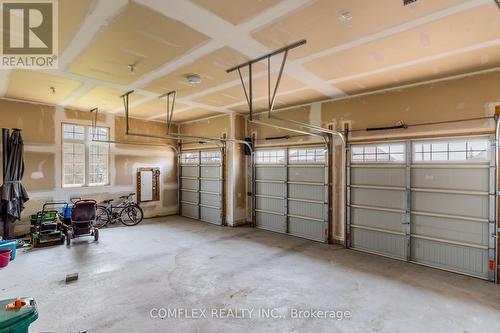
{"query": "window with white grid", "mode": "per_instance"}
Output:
(380, 152)
(270, 156)
(190, 158)
(85, 162)
(211, 157)
(455, 150)
(306, 155)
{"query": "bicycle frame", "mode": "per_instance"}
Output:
(110, 208)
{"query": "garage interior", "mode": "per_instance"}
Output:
(266, 160)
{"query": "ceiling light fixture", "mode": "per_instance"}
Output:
(345, 16)
(132, 67)
(193, 79)
(53, 90)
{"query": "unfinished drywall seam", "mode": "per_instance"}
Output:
(421, 60)
(466, 6)
(241, 40)
(94, 23)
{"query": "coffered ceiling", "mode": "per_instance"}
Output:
(353, 46)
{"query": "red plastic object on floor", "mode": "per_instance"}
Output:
(4, 257)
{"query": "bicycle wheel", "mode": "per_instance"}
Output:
(131, 215)
(101, 217)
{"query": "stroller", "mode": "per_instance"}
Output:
(81, 222)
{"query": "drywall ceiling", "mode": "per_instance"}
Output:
(380, 44)
(238, 11)
(40, 87)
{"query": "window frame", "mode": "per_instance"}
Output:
(190, 161)
(404, 153)
(319, 155)
(209, 156)
(467, 160)
(86, 141)
(279, 160)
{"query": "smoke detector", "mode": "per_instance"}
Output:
(345, 16)
(193, 79)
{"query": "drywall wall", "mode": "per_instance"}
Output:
(241, 173)
(41, 126)
(213, 127)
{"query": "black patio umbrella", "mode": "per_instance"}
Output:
(12, 193)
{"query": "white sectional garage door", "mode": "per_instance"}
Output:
(201, 185)
(291, 191)
(430, 202)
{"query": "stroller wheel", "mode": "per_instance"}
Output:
(68, 238)
(96, 234)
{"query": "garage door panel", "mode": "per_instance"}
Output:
(291, 191)
(213, 200)
(451, 210)
(210, 215)
(211, 185)
(307, 209)
(378, 198)
(378, 242)
(377, 219)
(450, 229)
(189, 171)
(190, 184)
(271, 222)
(308, 192)
(475, 206)
(272, 189)
(378, 176)
(270, 204)
(210, 171)
(271, 173)
(307, 174)
(474, 179)
(201, 185)
(189, 210)
(459, 258)
(189, 196)
(306, 228)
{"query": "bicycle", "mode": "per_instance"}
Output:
(127, 212)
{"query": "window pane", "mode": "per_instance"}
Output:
(381, 152)
(399, 148)
(306, 155)
(73, 163)
(454, 150)
(436, 156)
(270, 157)
(190, 158)
(98, 163)
(457, 146)
(98, 133)
(211, 157)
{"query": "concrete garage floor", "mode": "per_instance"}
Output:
(182, 263)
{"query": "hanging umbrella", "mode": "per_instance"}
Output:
(12, 193)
